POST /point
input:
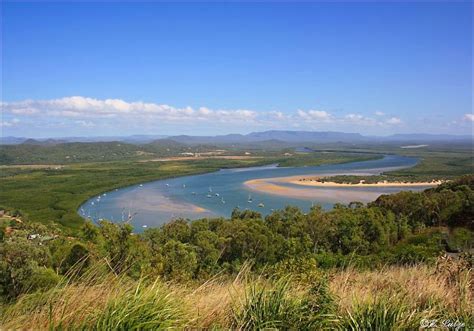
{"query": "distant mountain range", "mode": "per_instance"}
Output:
(134, 139)
(265, 137)
(292, 137)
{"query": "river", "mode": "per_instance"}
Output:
(218, 193)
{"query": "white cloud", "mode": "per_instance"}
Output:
(10, 123)
(84, 112)
(379, 113)
(469, 117)
(82, 107)
(360, 120)
(394, 121)
(277, 115)
(86, 124)
(315, 115)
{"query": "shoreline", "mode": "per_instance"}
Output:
(324, 194)
(327, 191)
(316, 183)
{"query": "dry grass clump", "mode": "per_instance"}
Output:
(97, 301)
(409, 293)
(211, 303)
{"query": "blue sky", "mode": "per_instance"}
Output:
(212, 68)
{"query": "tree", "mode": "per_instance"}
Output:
(116, 244)
(20, 259)
(179, 260)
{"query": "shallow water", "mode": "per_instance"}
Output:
(154, 203)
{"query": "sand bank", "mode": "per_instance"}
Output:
(327, 191)
(315, 182)
(328, 195)
(149, 200)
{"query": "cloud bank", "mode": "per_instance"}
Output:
(90, 113)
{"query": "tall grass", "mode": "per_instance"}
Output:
(99, 301)
(399, 298)
(394, 298)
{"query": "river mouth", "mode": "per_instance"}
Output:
(216, 194)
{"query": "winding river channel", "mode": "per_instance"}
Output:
(218, 193)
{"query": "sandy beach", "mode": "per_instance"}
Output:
(325, 194)
(314, 182)
(327, 191)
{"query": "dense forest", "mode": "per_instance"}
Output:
(402, 229)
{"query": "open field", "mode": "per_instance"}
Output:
(187, 158)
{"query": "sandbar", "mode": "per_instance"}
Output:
(316, 182)
(328, 191)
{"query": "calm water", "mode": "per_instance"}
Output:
(154, 203)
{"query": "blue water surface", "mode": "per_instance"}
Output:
(218, 193)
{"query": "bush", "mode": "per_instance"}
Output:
(380, 315)
(42, 279)
(276, 306)
(139, 308)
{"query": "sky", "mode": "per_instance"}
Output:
(101, 69)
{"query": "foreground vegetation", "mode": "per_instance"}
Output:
(394, 298)
(359, 267)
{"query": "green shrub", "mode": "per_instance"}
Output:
(42, 279)
(380, 315)
(278, 306)
(140, 308)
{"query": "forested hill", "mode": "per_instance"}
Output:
(66, 152)
(57, 152)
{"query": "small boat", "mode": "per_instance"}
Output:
(184, 185)
(250, 199)
(210, 189)
(92, 203)
(261, 205)
(144, 226)
(167, 185)
(209, 196)
(222, 200)
(141, 185)
(217, 194)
